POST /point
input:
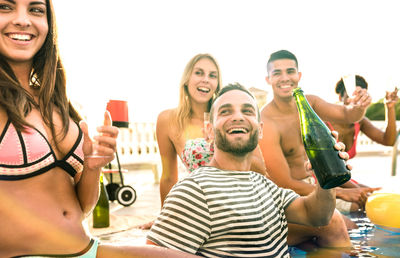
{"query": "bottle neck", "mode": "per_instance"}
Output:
(101, 177)
(301, 101)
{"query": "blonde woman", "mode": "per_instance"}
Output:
(183, 125)
(201, 80)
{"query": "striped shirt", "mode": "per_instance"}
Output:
(219, 213)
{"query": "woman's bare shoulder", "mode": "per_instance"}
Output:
(166, 121)
(166, 115)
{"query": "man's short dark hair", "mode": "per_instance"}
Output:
(233, 86)
(360, 81)
(282, 54)
(230, 87)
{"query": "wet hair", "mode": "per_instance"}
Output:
(47, 78)
(281, 54)
(360, 81)
(230, 87)
(184, 109)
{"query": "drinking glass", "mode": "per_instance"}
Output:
(95, 112)
(206, 119)
(206, 122)
(349, 82)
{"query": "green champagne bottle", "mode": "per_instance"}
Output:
(101, 212)
(329, 168)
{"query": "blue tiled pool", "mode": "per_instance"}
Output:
(368, 241)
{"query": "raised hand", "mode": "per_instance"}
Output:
(105, 143)
(361, 98)
(391, 98)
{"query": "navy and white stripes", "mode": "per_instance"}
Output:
(217, 213)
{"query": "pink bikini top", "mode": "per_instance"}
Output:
(27, 154)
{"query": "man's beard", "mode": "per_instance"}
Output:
(237, 148)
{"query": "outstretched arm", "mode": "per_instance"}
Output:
(317, 208)
(342, 113)
(275, 161)
(388, 137)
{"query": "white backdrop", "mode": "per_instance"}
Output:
(136, 50)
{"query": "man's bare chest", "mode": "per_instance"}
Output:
(291, 142)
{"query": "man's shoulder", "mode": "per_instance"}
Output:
(205, 169)
(266, 109)
(311, 98)
(192, 181)
(206, 173)
(268, 117)
(202, 174)
(268, 112)
(208, 176)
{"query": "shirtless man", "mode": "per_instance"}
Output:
(282, 146)
(348, 132)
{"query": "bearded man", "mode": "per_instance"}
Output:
(226, 210)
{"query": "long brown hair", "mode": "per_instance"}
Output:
(184, 109)
(47, 78)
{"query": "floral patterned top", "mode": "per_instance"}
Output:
(197, 153)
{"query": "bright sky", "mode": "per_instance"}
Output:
(136, 50)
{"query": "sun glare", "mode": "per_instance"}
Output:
(137, 50)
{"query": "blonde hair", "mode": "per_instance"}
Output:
(183, 112)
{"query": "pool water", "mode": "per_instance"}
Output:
(368, 240)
